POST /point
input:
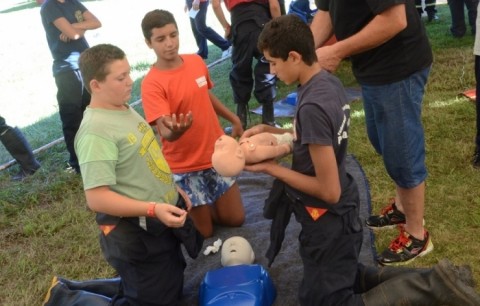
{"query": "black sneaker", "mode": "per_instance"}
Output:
(476, 159)
(72, 169)
(405, 248)
(389, 217)
(432, 17)
(22, 174)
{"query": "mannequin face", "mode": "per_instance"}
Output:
(237, 251)
(228, 158)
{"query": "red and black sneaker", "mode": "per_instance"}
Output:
(405, 248)
(389, 217)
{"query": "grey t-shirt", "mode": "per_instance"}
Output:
(323, 117)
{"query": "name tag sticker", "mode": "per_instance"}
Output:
(201, 81)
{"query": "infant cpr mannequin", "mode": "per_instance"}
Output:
(230, 157)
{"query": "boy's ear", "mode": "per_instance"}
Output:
(296, 57)
(94, 85)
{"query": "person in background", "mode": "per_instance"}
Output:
(429, 9)
(457, 12)
(476, 52)
(65, 23)
(16, 144)
(247, 20)
(202, 32)
(391, 59)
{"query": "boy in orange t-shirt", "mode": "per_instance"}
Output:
(176, 99)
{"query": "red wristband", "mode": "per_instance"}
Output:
(151, 209)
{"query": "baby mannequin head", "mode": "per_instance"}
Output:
(237, 250)
(228, 158)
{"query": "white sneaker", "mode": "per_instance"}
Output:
(227, 52)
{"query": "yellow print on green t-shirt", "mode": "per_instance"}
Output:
(150, 150)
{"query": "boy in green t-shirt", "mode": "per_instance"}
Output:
(130, 186)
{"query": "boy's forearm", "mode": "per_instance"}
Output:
(74, 31)
(223, 111)
(275, 130)
(304, 183)
(86, 25)
(90, 22)
(104, 200)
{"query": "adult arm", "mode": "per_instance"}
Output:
(225, 113)
(274, 7)
(321, 27)
(218, 10)
(103, 200)
(379, 30)
(74, 31)
(325, 185)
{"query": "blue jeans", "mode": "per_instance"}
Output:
(202, 32)
(393, 115)
(72, 98)
(458, 27)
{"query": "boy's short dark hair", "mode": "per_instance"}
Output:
(288, 33)
(156, 19)
(94, 62)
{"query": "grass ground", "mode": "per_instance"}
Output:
(46, 229)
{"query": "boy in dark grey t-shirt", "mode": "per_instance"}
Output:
(317, 188)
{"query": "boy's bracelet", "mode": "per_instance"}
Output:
(151, 209)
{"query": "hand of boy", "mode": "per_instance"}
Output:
(170, 215)
(237, 129)
(178, 124)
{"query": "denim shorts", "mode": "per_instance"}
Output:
(203, 187)
(393, 116)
